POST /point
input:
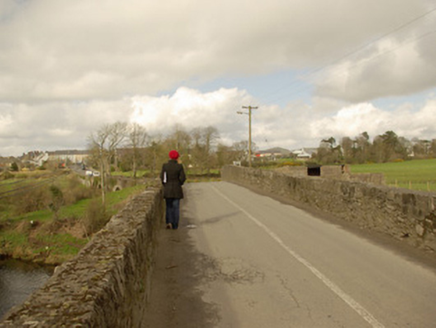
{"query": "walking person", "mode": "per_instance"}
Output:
(172, 177)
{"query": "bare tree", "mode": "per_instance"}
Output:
(117, 134)
(197, 152)
(180, 140)
(225, 155)
(210, 136)
(155, 154)
(241, 150)
(204, 140)
(137, 139)
(348, 149)
(103, 144)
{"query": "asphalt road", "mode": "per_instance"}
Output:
(245, 260)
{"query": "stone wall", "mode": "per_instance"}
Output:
(296, 171)
(341, 172)
(403, 214)
(332, 171)
(326, 171)
(107, 283)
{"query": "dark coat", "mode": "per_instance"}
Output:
(175, 178)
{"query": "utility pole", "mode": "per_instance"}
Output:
(249, 130)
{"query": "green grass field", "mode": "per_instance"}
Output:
(415, 174)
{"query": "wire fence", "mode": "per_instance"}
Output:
(426, 185)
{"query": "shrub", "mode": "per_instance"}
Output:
(31, 200)
(57, 199)
(76, 191)
(14, 167)
(95, 217)
(125, 167)
(290, 164)
(6, 175)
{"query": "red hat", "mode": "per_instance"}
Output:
(173, 154)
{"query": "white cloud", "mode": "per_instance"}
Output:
(353, 120)
(189, 108)
(64, 125)
(5, 122)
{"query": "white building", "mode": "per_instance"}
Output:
(304, 153)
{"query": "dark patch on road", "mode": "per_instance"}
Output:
(176, 299)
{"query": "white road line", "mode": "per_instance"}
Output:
(332, 286)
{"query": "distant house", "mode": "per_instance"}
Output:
(6, 162)
(39, 159)
(304, 153)
(73, 156)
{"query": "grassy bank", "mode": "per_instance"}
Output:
(415, 174)
(54, 234)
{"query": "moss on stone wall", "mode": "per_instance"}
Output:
(105, 285)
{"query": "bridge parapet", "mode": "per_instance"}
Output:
(404, 214)
(107, 283)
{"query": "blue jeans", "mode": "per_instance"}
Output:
(172, 213)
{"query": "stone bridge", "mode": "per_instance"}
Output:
(107, 283)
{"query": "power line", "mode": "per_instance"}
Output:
(338, 73)
(311, 73)
(314, 71)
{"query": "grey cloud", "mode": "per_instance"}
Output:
(402, 63)
(68, 67)
(82, 49)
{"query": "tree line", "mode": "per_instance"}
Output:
(385, 147)
(128, 147)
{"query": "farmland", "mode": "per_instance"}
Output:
(414, 174)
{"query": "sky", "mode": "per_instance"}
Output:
(313, 69)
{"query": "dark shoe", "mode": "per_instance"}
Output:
(169, 226)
